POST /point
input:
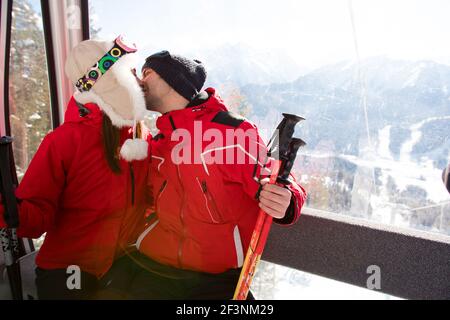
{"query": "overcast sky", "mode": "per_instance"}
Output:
(311, 32)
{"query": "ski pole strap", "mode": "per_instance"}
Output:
(9, 200)
(288, 163)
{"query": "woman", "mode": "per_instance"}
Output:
(84, 187)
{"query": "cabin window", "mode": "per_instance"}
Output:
(29, 99)
(372, 79)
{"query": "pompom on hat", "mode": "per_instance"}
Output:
(101, 73)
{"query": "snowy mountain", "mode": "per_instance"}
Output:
(404, 95)
(382, 168)
(241, 64)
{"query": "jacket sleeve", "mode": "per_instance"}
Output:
(257, 166)
(39, 191)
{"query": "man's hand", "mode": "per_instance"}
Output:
(274, 200)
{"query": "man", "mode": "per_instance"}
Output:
(207, 175)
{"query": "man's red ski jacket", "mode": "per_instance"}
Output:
(205, 210)
(89, 213)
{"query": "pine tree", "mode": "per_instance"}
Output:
(235, 100)
(30, 115)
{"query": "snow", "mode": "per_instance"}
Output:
(404, 173)
(415, 74)
(28, 42)
(407, 147)
(408, 172)
(35, 116)
(296, 285)
(255, 65)
(384, 140)
(394, 214)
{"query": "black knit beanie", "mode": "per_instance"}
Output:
(185, 76)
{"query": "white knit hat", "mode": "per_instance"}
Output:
(116, 92)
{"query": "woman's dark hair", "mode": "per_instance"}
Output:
(111, 141)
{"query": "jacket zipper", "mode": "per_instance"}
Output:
(183, 235)
(161, 190)
(147, 231)
(209, 200)
(132, 184)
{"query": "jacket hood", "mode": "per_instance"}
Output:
(72, 113)
(131, 149)
(117, 92)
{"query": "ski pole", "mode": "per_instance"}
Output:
(10, 241)
(287, 148)
(253, 255)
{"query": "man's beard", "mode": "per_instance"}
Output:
(152, 102)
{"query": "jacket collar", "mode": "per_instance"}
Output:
(94, 117)
(176, 119)
(73, 113)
